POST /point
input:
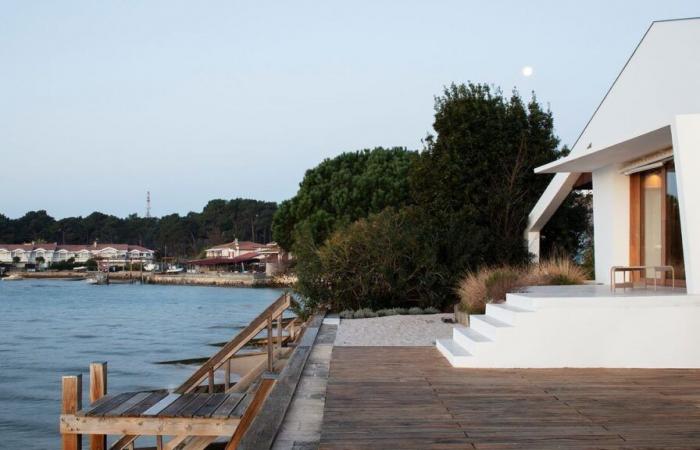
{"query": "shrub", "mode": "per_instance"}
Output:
(502, 281)
(364, 313)
(431, 310)
(415, 311)
(490, 285)
(559, 270)
(377, 263)
(401, 311)
(386, 312)
(486, 286)
(347, 314)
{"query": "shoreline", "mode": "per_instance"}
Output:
(185, 279)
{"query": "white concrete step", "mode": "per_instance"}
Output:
(520, 301)
(487, 325)
(505, 312)
(457, 355)
(470, 339)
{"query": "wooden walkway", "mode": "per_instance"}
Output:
(409, 397)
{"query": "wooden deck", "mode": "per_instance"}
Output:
(158, 412)
(410, 397)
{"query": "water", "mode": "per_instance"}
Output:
(50, 328)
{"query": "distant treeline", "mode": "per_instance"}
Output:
(184, 236)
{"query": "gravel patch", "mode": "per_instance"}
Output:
(413, 331)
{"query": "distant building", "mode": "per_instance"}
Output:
(244, 256)
(108, 254)
(237, 248)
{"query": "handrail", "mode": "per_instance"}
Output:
(234, 345)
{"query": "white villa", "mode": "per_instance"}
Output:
(236, 255)
(238, 248)
(112, 254)
(641, 151)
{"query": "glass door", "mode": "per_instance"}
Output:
(652, 219)
(655, 222)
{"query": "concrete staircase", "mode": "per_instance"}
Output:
(580, 326)
(474, 346)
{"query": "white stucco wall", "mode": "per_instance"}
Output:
(611, 221)
(685, 130)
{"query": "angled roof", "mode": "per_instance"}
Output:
(661, 79)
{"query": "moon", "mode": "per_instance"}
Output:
(527, 71)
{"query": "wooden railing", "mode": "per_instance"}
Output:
(271, 314)
(223, 357)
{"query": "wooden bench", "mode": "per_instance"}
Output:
(641, 269)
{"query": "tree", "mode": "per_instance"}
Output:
(475, 181)
(16, 259)
(341, 190)
(219, 221)
(39, 260)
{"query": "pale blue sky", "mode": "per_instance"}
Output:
(102, 101)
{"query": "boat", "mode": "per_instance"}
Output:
(13, 277)
(98, 279)
(175, 270)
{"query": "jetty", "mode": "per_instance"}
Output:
(206, 407)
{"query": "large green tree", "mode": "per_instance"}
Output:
(475, 178)
(341, 190)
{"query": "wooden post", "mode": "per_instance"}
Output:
(98, 389)
(269, 344)
(211, 381)
(71, 403)
(279, 331)
(227, 375)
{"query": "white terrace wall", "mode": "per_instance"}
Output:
(611, 221)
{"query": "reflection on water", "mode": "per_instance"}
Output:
(53, 328)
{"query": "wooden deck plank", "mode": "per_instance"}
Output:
(212, 403)
(172, 409)
(189, 409)
(409, 397)
(128, 404)
(228, 406)
(146, 403)
(111, 402)
(171, 426)
(161, 405)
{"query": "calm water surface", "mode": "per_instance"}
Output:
(51, 328)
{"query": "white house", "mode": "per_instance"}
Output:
(233, 256)
(641, 149)
(112, 254)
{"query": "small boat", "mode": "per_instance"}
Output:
(98, 279)
(13, 277)
(174, 270)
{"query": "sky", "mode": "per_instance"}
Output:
(101, 102)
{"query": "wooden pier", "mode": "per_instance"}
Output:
(199, 411)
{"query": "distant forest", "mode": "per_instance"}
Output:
(183, 236)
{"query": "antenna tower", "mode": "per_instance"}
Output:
(148, 204)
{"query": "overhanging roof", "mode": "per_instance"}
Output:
(590, 160)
